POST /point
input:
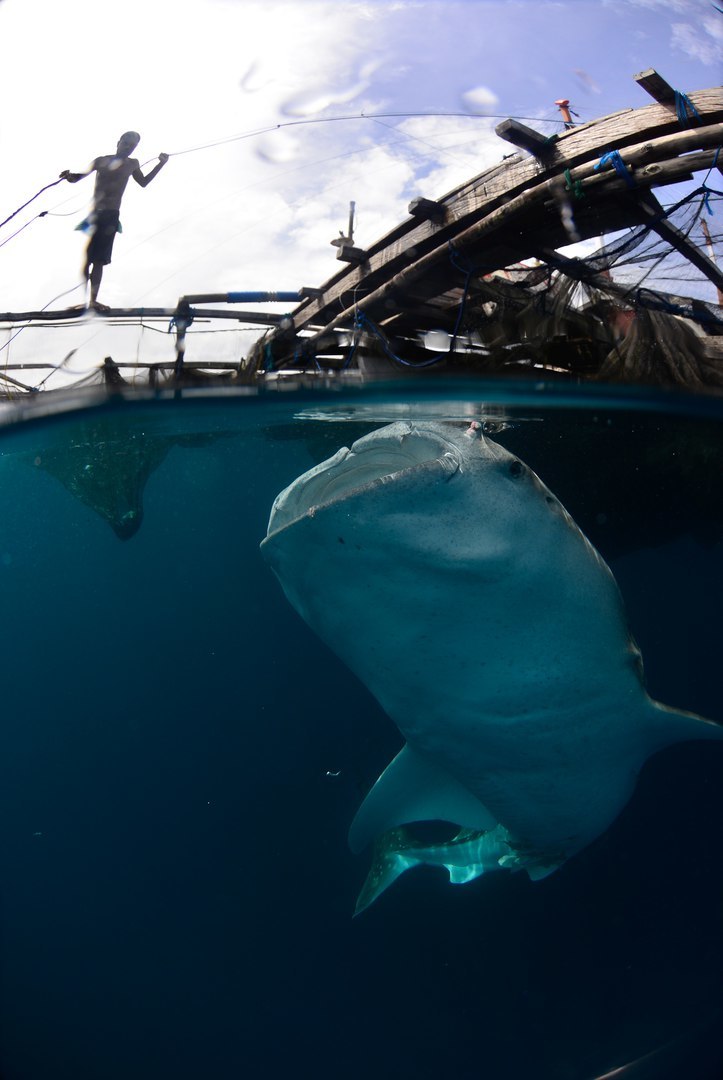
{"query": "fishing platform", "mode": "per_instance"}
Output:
(494, 277)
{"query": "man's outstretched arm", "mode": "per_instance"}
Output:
(144, 181)
(74, 177)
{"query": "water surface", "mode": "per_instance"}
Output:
(176, 887)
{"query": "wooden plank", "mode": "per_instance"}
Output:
(526, 138)
(656, 86)
(427, 209)
(677, 239)
(350, 254)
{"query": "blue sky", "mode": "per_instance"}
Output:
(259, 212)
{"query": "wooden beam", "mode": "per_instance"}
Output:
(350, 254)
(667, 231)
(642, 133)
(427, 209)
(656, 86)
(518, 134)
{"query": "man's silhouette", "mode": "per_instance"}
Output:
(112, 174)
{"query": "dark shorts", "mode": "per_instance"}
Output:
(100, 246)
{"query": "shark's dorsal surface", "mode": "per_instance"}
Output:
(455, 585)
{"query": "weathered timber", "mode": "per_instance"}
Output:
(651, 138)
(656, 86)
(427, 209)
(655, 215)
(526, 138)
(529, 200)
(429, 270)
(350, 254)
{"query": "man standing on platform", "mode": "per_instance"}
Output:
(112, 174)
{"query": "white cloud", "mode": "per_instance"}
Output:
(479, 99)
(702, 41)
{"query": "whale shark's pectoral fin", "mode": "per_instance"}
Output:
(466, 857)
(664, 726)
(460, 875)
(538, 865)
(388, 863)
(410, 789)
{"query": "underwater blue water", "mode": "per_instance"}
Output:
(176, 889)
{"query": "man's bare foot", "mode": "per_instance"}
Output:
(97, 306)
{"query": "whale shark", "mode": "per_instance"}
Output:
(454, 584)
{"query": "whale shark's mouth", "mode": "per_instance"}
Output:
(375, 458)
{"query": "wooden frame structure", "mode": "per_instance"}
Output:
(532, 203)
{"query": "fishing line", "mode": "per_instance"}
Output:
(416, 138)
(80, 285)
(42, 214)
(353, 116)
(32, 199)
(22, 228)
(232, 194)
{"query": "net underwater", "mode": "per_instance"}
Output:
(183, 756)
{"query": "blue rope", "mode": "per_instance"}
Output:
(713, 166)
(685, 109)
(460, 313)
(613, 158)
(366, 321)
(354, 341)
(465, 293)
